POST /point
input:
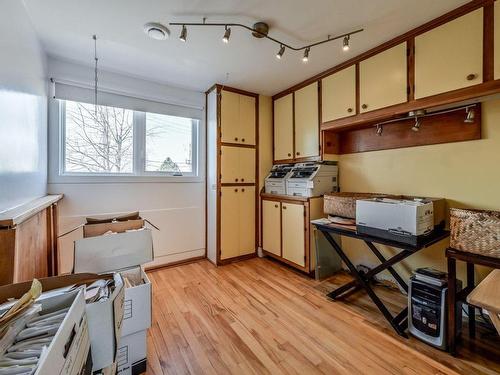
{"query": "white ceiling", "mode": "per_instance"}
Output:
(65, 28)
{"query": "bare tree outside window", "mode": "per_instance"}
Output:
(98, 140)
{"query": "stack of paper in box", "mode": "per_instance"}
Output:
(117, 247)
(43, 334)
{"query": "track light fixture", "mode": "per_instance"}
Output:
(345, 43)
(227, 34)
(380, 129)
(305, 58)
(280, 53)
(260, 30)
(416, 126)
(471, 115)
(184, 32)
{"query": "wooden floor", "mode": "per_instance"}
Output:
(259, 317)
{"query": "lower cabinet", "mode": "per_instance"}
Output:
(286, 230)
(237, 221)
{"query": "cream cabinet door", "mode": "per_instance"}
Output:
(283, 128)
(246, 220)
(230, 165)
(246, 170)
(450, 56)
(307, 121)
(237, 165)
(230, 116)
(230, 226)
(271, 227)
(338, 95)
(247, 120)
(293, 233)
(383, 79)
(496, 38)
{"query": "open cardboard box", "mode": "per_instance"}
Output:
(67, 353)
(104, 317)
(123, 253)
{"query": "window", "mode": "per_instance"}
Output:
(111, 141)
(169, 143)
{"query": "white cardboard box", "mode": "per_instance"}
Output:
(123, 253)
(68, 351)
(131, 358)
(395, 219)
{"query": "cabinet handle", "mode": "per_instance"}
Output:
(235, 180)
(471, 77)
(276, 206)
(235, 190)
(298, 153)
(242, 139)
(236, 139)
(364, 106)
(289, 154)
(349, 110)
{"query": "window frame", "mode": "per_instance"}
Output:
(57, 173)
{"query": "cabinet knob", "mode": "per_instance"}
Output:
(235, 180)
(242, 180)
(242, 139)
(349, 110)
(276, 206)
(289, 154)
(242, 190)
(298, 153)
(364, 106)
(236, 138)
(471, 77)
(284, 207)
(235, 190)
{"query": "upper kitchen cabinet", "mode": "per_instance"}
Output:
(283, 127)
(307, 121)
(496, 39)
(338, 95)
(450, 56)
(383, 79)
(237, 118)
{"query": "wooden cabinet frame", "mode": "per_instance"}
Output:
(306, 202)
(255, 184)
(489, 86)
(293, 159)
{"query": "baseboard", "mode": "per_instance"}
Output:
(174, 264)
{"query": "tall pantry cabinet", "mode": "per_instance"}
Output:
(232, 174)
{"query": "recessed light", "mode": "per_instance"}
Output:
(156, 31)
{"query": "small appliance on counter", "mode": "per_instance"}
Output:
(427, 307)
(312, 179)
(275, 182)
(401, 220)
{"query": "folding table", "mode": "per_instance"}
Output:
(362, 280)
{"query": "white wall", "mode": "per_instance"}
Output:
(23, 109)
(177, 208)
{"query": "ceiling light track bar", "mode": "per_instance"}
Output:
(264, 35)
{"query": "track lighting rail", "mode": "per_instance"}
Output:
(264, 35)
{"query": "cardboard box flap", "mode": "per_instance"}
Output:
(113, 252)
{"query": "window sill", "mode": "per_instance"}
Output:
(79, 179)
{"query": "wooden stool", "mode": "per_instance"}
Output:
(487, 296)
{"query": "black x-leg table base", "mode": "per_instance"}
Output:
(362, 280)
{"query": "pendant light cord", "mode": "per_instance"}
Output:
(95, 74)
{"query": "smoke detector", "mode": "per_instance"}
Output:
(156, 31)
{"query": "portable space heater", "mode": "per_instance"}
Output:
(427, 307)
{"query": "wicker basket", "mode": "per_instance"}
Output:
(344, 204)
(475, 231)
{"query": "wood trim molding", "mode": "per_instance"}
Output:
(472, 94)
(488, 42)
